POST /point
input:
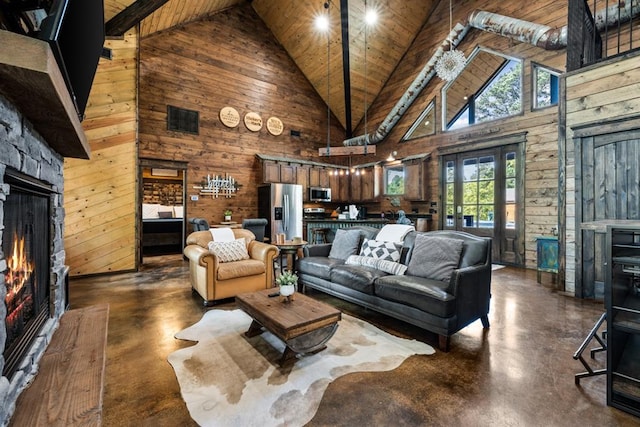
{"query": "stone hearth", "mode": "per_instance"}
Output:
(24, 150)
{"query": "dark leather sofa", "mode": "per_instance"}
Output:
(438, 306)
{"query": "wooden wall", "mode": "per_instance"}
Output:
(100, 194)
(230, 59)
(541, 180)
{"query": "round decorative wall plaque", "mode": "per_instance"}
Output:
(253, 121)
(275, 126)
(229, 117)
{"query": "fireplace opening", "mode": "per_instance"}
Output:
(26, 247)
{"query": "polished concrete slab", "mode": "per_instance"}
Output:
(519, 372)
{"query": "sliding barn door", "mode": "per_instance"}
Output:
(608, 188)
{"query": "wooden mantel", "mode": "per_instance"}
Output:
(30, 78)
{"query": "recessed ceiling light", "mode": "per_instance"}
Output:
(322, 22)
(371, 16)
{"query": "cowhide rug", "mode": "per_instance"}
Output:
(227, 379)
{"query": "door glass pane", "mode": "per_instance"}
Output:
(451, 171)
(469, 216)
(510, 190)
(470, 169)
(449, 195)
(470, 193)
(487, 167)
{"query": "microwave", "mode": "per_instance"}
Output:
(319, 194)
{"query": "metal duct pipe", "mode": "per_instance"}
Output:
(523, 31)
(419, 83)
(539, 35)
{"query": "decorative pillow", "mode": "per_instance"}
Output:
(178, 211)
(235, 250)
(387, 266)
(389, 251)
(345, 243)
(150, 210)
(434, 257)
(165, 214)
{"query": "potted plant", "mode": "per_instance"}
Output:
(227, 215)
(287, 282)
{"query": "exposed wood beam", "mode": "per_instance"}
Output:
(346, 70)
(134, 13)
(347, 151)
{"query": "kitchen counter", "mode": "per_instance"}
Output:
(334, 224)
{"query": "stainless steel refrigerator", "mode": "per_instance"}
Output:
(281, 205)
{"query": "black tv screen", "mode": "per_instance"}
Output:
(75, 31)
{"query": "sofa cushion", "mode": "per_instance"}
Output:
(434, 257)
(356, 277)
(389, 251)
(345, 243)
(427, 295)
(235, 250)
(318, 266)
(244, 268)
(387, 266)
(474, 252)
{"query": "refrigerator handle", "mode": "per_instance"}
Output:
(285, 213)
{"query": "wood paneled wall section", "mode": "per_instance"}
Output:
(100, 194)
(541, 180)
(597, 94)
(230, 59)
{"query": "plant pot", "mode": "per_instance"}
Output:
(227, 217)
(287, 290)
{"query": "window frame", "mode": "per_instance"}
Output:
(534, 86)
(446, 124)
(396, 165)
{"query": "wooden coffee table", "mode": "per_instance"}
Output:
(304, 324)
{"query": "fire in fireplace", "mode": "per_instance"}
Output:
(26, 245)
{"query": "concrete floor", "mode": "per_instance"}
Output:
(520, 372)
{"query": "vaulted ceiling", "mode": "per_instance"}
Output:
(334, 63)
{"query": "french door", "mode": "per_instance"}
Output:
(482, 195)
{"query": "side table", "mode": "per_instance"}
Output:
(290, 249)
(547, 254)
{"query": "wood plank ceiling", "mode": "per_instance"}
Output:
(292, 23)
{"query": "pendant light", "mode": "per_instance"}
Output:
(452, 62)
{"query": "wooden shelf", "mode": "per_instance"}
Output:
(30, 79)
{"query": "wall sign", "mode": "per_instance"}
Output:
(275, 126)
(253, 121)
(229, 117)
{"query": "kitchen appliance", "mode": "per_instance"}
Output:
(314, 213)
(319, 194)
(281, 205)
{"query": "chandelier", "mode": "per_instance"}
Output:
(452, 62)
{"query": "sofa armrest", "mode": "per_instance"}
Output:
(472, 288)
(319, 249)
(262, 251)
(199, 255)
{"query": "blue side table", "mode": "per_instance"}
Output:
(547, 253)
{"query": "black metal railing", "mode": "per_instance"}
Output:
(599, 29)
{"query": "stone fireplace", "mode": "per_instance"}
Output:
(32, 220)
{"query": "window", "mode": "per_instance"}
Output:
(394, 180)
(545, 87)
(489, 88)
(424, 125)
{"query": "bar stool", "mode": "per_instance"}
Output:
(319, 235)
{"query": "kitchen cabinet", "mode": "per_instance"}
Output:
(288, 173)
(302, 178)
(339, 188)
(270, 172)
(415, 177)
(319, 177)
(622, 300)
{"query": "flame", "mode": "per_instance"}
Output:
(19, 268)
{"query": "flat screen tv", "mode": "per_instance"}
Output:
(75, 31)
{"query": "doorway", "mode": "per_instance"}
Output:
(482, 194)
(162, 207)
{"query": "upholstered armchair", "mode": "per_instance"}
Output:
(214, 279)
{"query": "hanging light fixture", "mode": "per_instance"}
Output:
(324, 24)
(452, 62)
